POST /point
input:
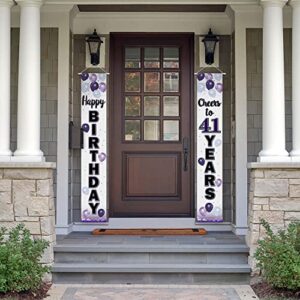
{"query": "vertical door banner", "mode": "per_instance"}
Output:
(93, 152)
(209, 147)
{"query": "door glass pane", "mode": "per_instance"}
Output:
(132, 130)
(171, 130)
(132, 81)
(171, 106)
(132, 58)
(171, 57)
(171, 81)
(151, 106)
(132, 106)
(151, 130)
(151, 81)
(151, 58)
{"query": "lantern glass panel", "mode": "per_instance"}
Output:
(210, 46)
(94, 46)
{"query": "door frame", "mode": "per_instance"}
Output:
(192, 125)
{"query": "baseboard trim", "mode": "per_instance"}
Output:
(239, 230)
(63, 230)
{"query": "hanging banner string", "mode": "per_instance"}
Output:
(212, 66)
(94, 70)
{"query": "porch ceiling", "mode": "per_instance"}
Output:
(151, 8)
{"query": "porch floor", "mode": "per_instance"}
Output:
(86, 239)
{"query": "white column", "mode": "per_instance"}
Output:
(241, 183)
(273, 83)
(295, 153)
(62, 196)
(5, 6)
(28, 129)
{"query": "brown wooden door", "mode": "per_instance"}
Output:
(151, 125)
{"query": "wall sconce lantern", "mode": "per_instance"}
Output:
(94, 41)
(210, 41)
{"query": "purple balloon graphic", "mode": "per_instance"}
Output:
(212, 93)
(201, 87)
(85, 86)
(209, 207)
(102, 87)
(210, 84)
(218, 211)
(93, 77)
(218, 76)
(200, 76)
(94, 86)
(86, 213)
(84, 76)
(208, 76)
(201, 161)
(219, 87)
(101, 212)
(218, 142)
(85, 190)
(202, 211)
(85, 127)
(218, 182)
(102, 156)
(97, 93)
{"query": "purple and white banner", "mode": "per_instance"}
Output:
(93, 153)
(209, 147)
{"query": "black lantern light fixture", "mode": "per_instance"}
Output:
(210, 41)
(94, 41)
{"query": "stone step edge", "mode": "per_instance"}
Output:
(146, 268)
(146, 248)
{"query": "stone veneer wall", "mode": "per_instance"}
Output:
(26, 196)
(274, 196)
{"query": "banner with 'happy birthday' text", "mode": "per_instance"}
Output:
(93, 153)
(209, 147)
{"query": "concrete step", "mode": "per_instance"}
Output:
(151, 274)
(151, 257)
(153, 268)
(216, 258)
(190, 248)
(152, 278)
(135, 254)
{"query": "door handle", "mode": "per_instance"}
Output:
(185, 153)
(81, 138)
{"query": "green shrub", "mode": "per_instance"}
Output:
(278, 256)
(20, 267)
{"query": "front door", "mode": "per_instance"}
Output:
(151, 121)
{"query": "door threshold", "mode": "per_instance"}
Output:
(151, 223)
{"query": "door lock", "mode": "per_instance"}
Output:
(185, 153)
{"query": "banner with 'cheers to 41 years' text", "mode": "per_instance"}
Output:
(209, 147)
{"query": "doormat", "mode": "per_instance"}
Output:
(150, 232)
